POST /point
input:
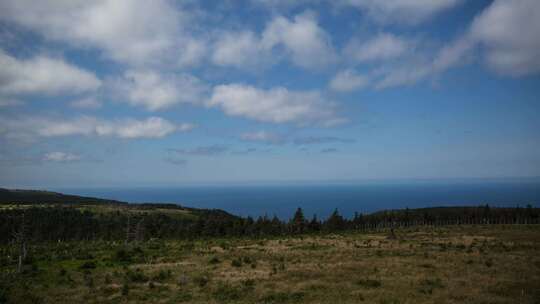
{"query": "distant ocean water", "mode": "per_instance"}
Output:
(282, 200)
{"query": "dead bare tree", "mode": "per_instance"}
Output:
(128, 228)
(139, 230)
(20, 240)
(134, 231)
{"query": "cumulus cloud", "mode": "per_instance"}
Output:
(383, 46)
(202, 150)
(276, 105)
(239, 49)
(132, 31)
(405, 74)
(496, 35)
(307, 43)
(61, 157)
(409, 12)
(31, 128)
(301, 39)
(348, 80)
(508, 30)
(452, 54)
(157, 91)
(43, 75)
(283, 4)
(262, 136)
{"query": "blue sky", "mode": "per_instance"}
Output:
(133, 92)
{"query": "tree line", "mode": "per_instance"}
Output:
(67, 223)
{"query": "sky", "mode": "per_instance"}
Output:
(136, 92)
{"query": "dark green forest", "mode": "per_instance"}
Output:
(57, 217)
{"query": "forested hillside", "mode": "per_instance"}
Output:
(10, 196)
(58, 217)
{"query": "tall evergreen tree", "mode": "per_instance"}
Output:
(335, 222)
(314, 225)
(298, 222)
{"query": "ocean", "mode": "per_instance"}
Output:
(322, 199)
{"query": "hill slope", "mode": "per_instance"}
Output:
(10, 196)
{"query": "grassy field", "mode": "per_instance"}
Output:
(490, 264)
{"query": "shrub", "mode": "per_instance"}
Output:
(214, 260)
(122, 255)
(3, 296)
(227, 293)
(108, 279)
(201, 281)
(182, 280)
(283, 297)
(162, 275)
(224, 245)
(89, 280)
(125, 255)
(236, 263)
(184, 296)
(369, 283)
(108, 290)
(136, 276)
(248, 285)
(125, 289)
(88, 265)
(428, 285)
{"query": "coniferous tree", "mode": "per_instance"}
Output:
(298, 222)
(314, 225)
(335, 222)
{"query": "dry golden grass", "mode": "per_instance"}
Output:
(496, 264)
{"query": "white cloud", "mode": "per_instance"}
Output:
(496, 35)
(406, 74)
(153, 127)
(31, 128)
(61, 157)
(348, 80)
(132, 31)
(300, 39)
(276, 105)
(509, 31)
(43, 75)
(409, 12)
(193, 51)
(283, 4)
(86, 103)
(307, 43)
(381, 47)
(499, 36)
(452, 54)
(242, 49)
(156, 91)
(262, 136)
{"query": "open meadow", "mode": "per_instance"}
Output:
(458, 264)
